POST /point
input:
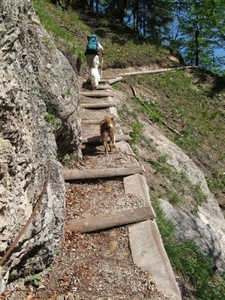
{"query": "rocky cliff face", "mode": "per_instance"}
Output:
(207, 226)
(37, 84)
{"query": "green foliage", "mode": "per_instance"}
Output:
(216, 182)
(136, 132)
(188, 259)
(117, 87)
(174, 198)
(35, 279)
(70, 31)
(166, 227)
(197, 118)
(180, 183)
(50, 14)
(52, 119)
(150, 110)
(204, 18)
(51, 116)
(175, 23)
(199, 194)
(161, 167)
(63, 158)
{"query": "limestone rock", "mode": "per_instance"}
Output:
(207, 227)
(190, 227)
(36, 80)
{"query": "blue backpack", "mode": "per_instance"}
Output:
(92, 45)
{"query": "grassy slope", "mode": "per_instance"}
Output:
(127, 49)
(190, 102)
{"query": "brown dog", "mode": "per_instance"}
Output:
(107, 129)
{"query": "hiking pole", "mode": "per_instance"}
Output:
(101, 66)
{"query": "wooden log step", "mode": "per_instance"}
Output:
(94, 121)
(96, 139)
(99, 100)
(96, 100)
(114, 80)
(69, 174)
(98, 105)
(89, 121)
(104, 81)
(106, 78)
(103, 87)
(116, 219)
(97, 94)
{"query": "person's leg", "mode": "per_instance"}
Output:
(96, 65)
(90, 60)
(90, 63)
(96, 61)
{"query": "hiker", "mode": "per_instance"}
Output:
(93, 50)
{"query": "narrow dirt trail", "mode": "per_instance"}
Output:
(111, 247)
(110, 196)
(106, 267)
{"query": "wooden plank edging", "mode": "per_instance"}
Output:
(125, 147)
(115, 219)
(149, 254)
(100, 173)
(136, 185)
(156, 71)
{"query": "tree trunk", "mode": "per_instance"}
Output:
(197, 33)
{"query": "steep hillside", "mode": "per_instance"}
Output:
(70, 30)
(183, 108)
(176, 121)
(188, 106)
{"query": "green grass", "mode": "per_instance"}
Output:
(60, 24)
(190, 261)
(52, 119)
(35, 279)
(136, 133)
(216, 182)
(70, 29)
(51, 116)
(177, 185)
(195, 115)
(151, 110)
